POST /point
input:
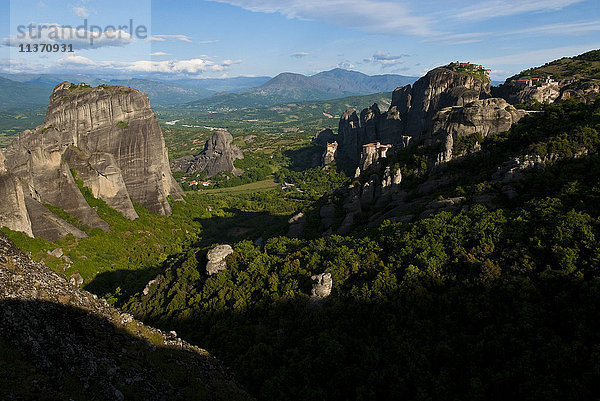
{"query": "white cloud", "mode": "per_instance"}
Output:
(208, 42)
(229, 63)
(487, 9)
(374, 16)
(160, 54)
(162, 38)
(53, 33)
(385, 60)
(536, 57)
(190, 66)
(299, 54)
(73, 60)
(81, 12)
(459, 38)
(346, 65)
(575, 28)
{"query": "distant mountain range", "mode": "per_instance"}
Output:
(161, 93)
(15, 96)
(222, 84)
(19, 90)
(289, 87)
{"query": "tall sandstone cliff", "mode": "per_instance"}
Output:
(110, 138)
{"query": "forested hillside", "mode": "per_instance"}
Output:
(488, 303)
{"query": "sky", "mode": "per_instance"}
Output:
(227, 38)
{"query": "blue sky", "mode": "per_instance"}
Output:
(219, 38)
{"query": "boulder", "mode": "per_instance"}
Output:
(216, 259)
(76, 279)
(297, 224)
(322, 285)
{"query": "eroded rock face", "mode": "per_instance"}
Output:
(13, 212)
(438, 89)
(410, 116)
(485, 116)
(218, 155)
(100, 172)
(119, 121)
(35, 158)
(110, 137)
(216, 258)
(542, 94)
(372, 126)
(47, 225)
(324, 137)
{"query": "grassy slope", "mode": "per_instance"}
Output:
(583, 67)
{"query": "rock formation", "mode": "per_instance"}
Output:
(322, 285)
(529, 90)
(13, 212)
(438, 89)
(297, 225)
(218, 155)
(106, 136)
(216, 259)
(323, 137)
(76, 346)
(411, 113)
(100, 172)
(485, 117)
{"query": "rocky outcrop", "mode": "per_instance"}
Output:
(376, 190)
(109, 138)
(586, 92)
(77, 346)
(216, 259)
(485, 117)
(322, 285)
(13, 212)
(323, 137)
(410, 116)
(119, 121)
(438, 89)
(46, 224)
(527, 90)
(372, 126)
(297, 225)
(100, 172)
(36, 159)
(218, 155)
